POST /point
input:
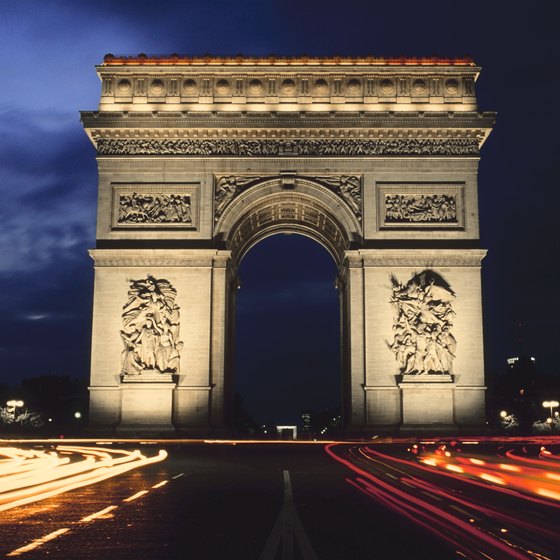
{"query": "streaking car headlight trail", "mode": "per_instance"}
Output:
(30, 475)
(498, 502)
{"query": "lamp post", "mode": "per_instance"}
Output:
(551, 405)
(13, 403)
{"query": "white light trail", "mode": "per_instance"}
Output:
(31, 475)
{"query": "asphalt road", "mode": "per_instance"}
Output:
(276, 501)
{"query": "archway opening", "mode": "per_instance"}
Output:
(287, 349)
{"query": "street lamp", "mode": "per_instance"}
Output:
(13, 403)
(503, 413)
(551, 405)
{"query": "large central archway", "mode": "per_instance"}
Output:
(287, 333)
(283, 205)
(287, 204)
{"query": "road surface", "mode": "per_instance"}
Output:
(273, 501)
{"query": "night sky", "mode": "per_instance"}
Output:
(48, 176)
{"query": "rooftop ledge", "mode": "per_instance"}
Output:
(240, 60)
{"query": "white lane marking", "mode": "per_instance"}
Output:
(392, 476)
(38, 542)
(461, 510)
(433, 496)
(287, 526)
(135, 496)
(178, 475)
(160, 484)
(98, 514)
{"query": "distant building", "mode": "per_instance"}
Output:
(521, 372)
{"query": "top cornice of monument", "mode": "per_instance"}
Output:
(282, 61)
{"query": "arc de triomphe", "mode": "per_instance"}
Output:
(201, 158)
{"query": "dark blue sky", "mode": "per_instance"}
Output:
(48, 174)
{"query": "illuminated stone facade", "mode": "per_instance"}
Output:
(200, 158)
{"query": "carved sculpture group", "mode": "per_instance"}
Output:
(423, 342)
(154, 209)
(407, 208)
(150, 332)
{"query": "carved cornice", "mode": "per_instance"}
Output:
(156, 257)
(275, 60)
(267, 118)
(289, 148)
(426, 258)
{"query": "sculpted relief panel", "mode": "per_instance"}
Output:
(150, 332)
(423, 319)
(154, 206)
(426, 206)
(154, 209)
(404, 209)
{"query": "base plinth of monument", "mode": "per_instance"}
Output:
(146, 407)
(427, 406)
(147, 377)
(427, 378)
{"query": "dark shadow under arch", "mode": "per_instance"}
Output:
(287, 355)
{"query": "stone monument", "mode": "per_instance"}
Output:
(201, 158)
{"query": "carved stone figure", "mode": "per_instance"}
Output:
(411, 208)
(150, 328)
(227, 187)
(348, 187)
(300, 147)
(154, 209)
(422, 339)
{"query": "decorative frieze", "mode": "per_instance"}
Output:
(422, 258)
(376, 84)
(288, 148)
(157, 258)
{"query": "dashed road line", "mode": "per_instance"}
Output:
(433, 496)
(102, 514)
(38, 542)
(460, 510)
(135, 496)
(178, 475)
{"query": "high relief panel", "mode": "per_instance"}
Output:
(155, 206)
(423, 341)
(150, 331)
(421, 206)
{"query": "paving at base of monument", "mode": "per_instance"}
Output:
(269, 500)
